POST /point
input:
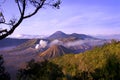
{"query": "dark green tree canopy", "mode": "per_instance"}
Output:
(40, 71)
(22, 6)
(3, 74)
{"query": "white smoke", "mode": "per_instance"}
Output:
(37, 46)
(42, 44)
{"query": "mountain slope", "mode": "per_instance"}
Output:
(101, 63)
(7, 42)
(22, 47)
(55, 51)
(27, 44)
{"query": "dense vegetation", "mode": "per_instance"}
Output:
(101, 63)
(3, 74)
(40, 71)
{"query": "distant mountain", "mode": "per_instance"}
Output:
(57, 35)
(114, 36)
(81, 36)
(69, 37)
(30, 43)
(25, 46)
(8, 42)
(55, 51)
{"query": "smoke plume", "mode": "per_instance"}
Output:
(42, 44)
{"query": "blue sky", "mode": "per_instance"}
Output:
(74, 16)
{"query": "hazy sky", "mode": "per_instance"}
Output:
(74, 16)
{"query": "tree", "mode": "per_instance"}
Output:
(22, 7)
(3, 74)
(40, 71)
(110, 71)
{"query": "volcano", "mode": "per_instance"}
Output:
(55, 51)
(57, 35)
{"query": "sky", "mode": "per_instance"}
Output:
(92, 17)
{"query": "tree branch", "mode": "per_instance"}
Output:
(16, 25)
(19, 7)
(4, 30)
(36, 10)
(11, 30)
(22, 8)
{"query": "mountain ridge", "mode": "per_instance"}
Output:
(65, 37)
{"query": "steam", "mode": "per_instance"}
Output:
(56, 42)
(37, 46)
(90, 42)
(42, 44)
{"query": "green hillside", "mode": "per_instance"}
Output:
(101, 63)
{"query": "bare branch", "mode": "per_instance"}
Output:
(24, 7)
(57, 4)
(11, 30)
(4, 30)
(35, 3)
(22, 4)
(36, 10)
(19, 6)
(2, 19)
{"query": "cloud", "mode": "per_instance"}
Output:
(89, 42)
(56, 42)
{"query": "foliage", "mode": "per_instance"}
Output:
(3, 74)
(101, 63)
(40, 71)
